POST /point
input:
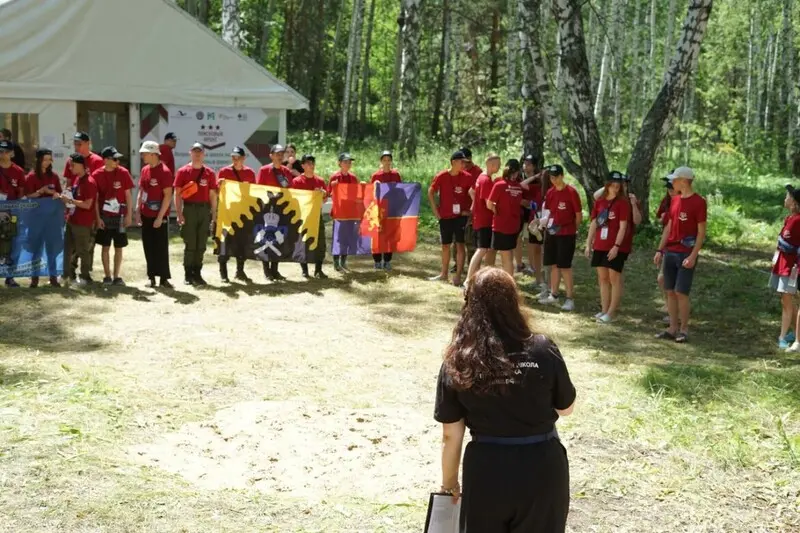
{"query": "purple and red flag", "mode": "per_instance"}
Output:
(375, 218)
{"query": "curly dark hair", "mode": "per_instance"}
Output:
(491, 326)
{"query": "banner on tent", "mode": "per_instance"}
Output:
(31, 238)
(375, 218)
(268, 223)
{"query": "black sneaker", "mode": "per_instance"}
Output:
(85, 280)
(153, 283)
(277, 276)
(11, 284)
(34, 282)
(165, 284)
(306, 275)
(241, 276)
(188, 276)
(198, 279)
(118, 282)
(320, 275)
(54, 281)
(107, 280)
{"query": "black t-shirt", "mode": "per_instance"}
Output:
(540, 385)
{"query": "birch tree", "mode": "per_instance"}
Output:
(365, 69)
(409, 79)
(352, 54)
(444, 50)
(395, 90)
(231, 31)
(532, 121)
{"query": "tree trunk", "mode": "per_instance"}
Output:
(658, 120)
(763, 83)
(601, 84)
(365, 70)
(231, 31)
(409, 80)
(652, 49)
(395, 90)
(771, 83)
(619, 66)
(326, 92)
(451, 77)
(532, 120)
(636, 81)
(669, 34)
(202, 11)
(440, 76)
(355, 31)
(317, 75)
(512, 47)
(749, 91)
(262, 44)
(577, 87)
(785, 138)
(494, 55)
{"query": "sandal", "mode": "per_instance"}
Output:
(682, 338)
(666, 335)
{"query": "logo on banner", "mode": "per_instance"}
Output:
(200, 115)
(242, 116)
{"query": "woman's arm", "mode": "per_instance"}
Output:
(636, 213)
(452, 440)
(567, 411)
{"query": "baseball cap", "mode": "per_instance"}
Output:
(110, 152)
(467, 152)
(170, 136)
(681, 173)
(458, 156)
(6, 146)
(237, 151)
(555, 170)
(387, 153)
(615, 175)
(345, 156)
(77, 158)
(150, 147)
(277, 148)
(197, 147)
(794, 192)
(308, 158)
(529, 158)
(513, 165)
(81, 136)
(41, 152)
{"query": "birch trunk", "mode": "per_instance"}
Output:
(512, 47)
(771, 83)
(440, 77)
(365, 69)
(355, 90)
(619, 65)
(352, 47)
(451, 77)
(787, 97)
(652, 73)
(532, 120)
(231, 31)
(409, 80)
(636, 80)
(601, 84)
(658, 121)
(749, 90)
(669, 34)
(326, 99)
(395, 90)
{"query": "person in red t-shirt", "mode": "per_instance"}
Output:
(114, 213)
(308, 181)
(42, 182)
(531, 206)
(661, 216)
(276, 174)
(611, 218)
(82, 145)
(561, 217)
(152, 210)
(342, 176)
(473, 171)
(239, 172)
(783, 278)
(166, 149)
(81, 203)
(385, 174)
(505, 201)
(452, 186)
(679, 248)
(482, 216)
(12, 179)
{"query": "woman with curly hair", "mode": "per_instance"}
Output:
(508, 386)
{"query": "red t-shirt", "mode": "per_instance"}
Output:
(507, 196)
(563, 206)
(663, 208)
(392, 176)
(112, 185)
(33, 183)
(268, 175)
(12, 182)
(474, 173)
(93, 162)
(783, 262)
(341, 177)
(685, 215)
(533, 194)
(83, 188)
(206, 182)
(167, 157)
(619, 211)
(482, 215)
(246, 175)
(152, 183)
(309, 184)
(452, 190)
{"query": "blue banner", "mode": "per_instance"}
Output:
(31, 238)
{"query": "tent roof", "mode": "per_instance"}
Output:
(143, 51)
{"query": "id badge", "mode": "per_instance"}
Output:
(456, 209)
(144, 197)
(111, 206)
(793, 277)
(3, 197)
(604, 234)
(775, 258)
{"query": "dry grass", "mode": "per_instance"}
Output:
(307, 407)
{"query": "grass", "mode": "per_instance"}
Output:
(307, 407)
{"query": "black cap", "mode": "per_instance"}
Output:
(277, 148)
(237, 151)
(110, 152)
(555, 170)
(794, 192)
(466, 151)
(81, 136)
(170, 136)
(387, 153)
(6, 146)
(615, 175)
(307, 158)
(529, 158)
(77, 158)
(458, 156)
(513, 165)
(345, 156)
(41, 152)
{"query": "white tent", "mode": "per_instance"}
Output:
(127, 51)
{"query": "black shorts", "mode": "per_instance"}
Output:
(559, 250)
(452, 229)
(482, 238)
(106, 236)
(677, 277)
(600, 259)
(503, 242)
(525, 217)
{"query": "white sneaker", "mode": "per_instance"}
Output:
(604, 319)
(794, 348)
(569, 305)
(548, 300)
(438, 278)
(529, 271)
(598, 315)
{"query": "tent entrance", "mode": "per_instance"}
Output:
(107, 123)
